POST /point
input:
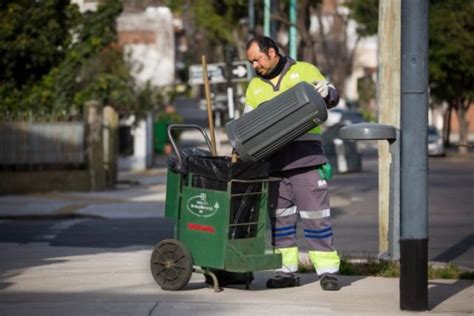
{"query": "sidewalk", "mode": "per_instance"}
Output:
(137, 195)
(118, 281)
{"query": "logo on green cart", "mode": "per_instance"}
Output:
(199, 205)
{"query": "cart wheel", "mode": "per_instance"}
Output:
(171, 264)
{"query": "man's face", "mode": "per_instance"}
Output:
(261, 62)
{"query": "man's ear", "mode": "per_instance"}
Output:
(272, 52)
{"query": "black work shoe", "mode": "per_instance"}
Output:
(278, 282)
(329, 283)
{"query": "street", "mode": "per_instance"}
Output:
(103, 213)
(90, 254)
(354, 212)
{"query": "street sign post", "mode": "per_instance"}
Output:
(241, 71)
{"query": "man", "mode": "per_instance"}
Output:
(301, 165)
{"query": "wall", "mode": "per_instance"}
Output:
(148, 39)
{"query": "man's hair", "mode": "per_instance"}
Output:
(264, 43)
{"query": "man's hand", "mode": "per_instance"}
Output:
(322, 87)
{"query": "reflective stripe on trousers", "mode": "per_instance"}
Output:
(289, 259)
(324, 261)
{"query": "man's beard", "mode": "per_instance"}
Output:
(275, 71)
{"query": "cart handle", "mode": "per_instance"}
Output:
(186, 126)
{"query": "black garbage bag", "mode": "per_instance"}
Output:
(223, 169)
(174, 163)
(200, 162)
(214, 172)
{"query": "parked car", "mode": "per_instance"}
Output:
(435, 142)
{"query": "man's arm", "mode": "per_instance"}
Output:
(332, 99)
(328, 92)
(312, 74)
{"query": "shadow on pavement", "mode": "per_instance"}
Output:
(116, 233)
(456, 250)
(439, 292)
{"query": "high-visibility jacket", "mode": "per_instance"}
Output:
(261, 90)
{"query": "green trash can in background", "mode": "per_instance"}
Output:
(160, 135)
(161, 143)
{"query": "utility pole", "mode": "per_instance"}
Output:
(251, 13)
(269, 25)
(292, 32)
(266, 17)
(273, 22)
(388, 100)
(414, 161)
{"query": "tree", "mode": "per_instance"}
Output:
(365, 12)
(451, 58)
(34, 37)
(211, 25)
(323, 28)
(54, 58)
(451, 62)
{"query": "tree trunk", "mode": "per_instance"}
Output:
(463, 124)
(447, 120)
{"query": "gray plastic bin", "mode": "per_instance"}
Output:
(275, 123)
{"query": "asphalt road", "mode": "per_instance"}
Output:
(450, 200)
(354, 214)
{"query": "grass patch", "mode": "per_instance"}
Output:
(390, 269)
(448, 271)
(380, 268)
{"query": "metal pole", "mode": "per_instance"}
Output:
(292, 31)
(229, 56)
(394, 200)
(273, 22)
(251, 9)
(266, 18)
(414, 192)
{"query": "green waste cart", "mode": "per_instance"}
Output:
(220, 214)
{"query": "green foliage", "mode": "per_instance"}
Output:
(449, 271)
(218, 18)
(59, 81)
(467, 275)
(451, 61)
(387, 269)
(34, 36)
(106, 78)
(451, 48)
(391, 269)
(65, 82)
(365, 13)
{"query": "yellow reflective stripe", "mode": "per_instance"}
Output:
(325, 261)
(289, 259)
(316, 130)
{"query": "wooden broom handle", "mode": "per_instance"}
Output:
(209, 107)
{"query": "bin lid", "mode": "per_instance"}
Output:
(368, 131)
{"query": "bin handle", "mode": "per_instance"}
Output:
(186, 126)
